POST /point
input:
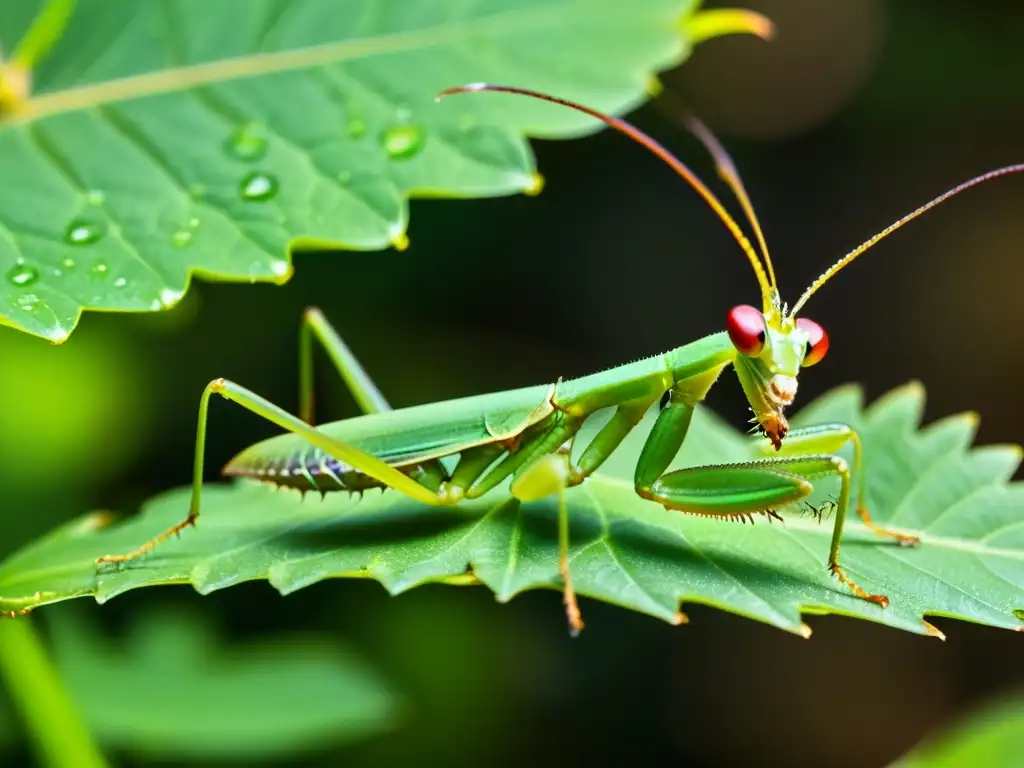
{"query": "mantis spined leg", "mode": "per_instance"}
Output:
(364, 462)
(738, 491)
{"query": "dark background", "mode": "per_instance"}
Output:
(856, 114)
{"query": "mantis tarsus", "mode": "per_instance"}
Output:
(527, 434)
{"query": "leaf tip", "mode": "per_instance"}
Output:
(58, 334)
(282, 270)
(399, 241)
(932, 631)
(534, 185)
(804, 631)
(679, 618)
(727, 21)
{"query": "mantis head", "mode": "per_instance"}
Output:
(772, 343)
(771, 349)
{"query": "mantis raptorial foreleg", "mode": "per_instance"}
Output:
(740, 490)
(829, 438)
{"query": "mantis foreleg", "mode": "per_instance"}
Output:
(829, 438)
(739, 491)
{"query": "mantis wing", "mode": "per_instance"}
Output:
(418, 433)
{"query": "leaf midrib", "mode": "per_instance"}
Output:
(195, 75)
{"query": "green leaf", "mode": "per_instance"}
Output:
(163, 140)
(626, 551)
(170, 691)
(992, 737)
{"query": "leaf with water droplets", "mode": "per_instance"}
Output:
(625, 550)
(401, 142)
(274, 127)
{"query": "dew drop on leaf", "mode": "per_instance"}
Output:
(120, 282)
(22, 275)
(68, 263)
(28, 302)
(99, 269)
(259, 186)
(181, 238)
(401, 142)
(84, 232)
(95, 197)
(194, 223)
(169, 297)
(246, 144)
(344, 177)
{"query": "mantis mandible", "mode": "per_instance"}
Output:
(527, 434)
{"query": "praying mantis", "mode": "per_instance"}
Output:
(528, 434)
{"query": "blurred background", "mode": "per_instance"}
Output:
(856, 114)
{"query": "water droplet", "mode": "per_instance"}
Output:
(281, 268)
(403, 112)
(57, 272)
(194, 222)
(99, 269)
(345, 176)
(95, 197)
(401, 142)
(22, 275)
(169, 297)
(246, 144)
(181, 238)
(120, 282)
(259, 186)
(68, 263)
(28, 302)
(356, 128)
(84, 232)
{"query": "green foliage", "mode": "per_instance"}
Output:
(626, 551)
(992, 737)
(171, 692)
(162, 140)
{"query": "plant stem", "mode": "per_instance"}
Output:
(60, 737)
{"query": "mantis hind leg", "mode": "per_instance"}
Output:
(829, 438)
(357, 459)
(551, 475)
(364, 391)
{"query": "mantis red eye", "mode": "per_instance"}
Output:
(817, 341)
(745, 325)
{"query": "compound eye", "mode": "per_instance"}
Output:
(817, 341)
(745, 325)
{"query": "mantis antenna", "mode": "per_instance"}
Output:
(727, 171)
(831, 271)
(767, 288)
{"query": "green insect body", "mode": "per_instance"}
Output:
(528, 434)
